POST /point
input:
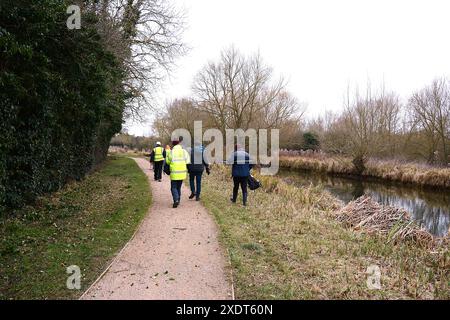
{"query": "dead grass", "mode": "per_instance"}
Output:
(415, 173)
(390, 170)
(118, 151)
(287, 244)
(394, 223)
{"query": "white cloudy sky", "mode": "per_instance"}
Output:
(320, 46)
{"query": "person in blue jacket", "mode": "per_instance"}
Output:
(195, 169)
(241, 166)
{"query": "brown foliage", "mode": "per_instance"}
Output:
(368, 216)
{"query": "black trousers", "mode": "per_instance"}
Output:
(157, 168)
(240, 181)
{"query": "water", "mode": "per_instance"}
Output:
(430, 208)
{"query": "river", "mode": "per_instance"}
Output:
(430, 208)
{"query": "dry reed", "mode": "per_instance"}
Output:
(389, 170)
(366, 215)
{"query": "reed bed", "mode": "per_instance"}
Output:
(414, 173)
(389, 170)
(289, 244)
(396, 224)
(318, 164)
(364, 214)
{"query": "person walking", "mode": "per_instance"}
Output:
(158, 156)
(195, 169)
(177, 159)
(241, 166)
(167, 149)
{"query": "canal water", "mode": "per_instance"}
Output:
(430, 208)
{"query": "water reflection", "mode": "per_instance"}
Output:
(430, 208)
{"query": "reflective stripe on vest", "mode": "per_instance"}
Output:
(158, 152)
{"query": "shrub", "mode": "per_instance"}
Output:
(61, 99)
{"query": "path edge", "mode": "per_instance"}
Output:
(230, 266)
(126, 244)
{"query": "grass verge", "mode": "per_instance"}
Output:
(287, 245)
(85, 224)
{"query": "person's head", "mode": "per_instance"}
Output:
(158, 143)
(175, 141)
(237, 147)
(167, 147)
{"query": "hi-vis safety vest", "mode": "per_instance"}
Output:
(158, 154)
(178, 159)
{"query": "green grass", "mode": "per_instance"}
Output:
(287, 245)
(85, 224)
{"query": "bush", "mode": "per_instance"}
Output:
(61, 99)
(311, 141)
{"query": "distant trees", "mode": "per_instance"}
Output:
(179, 113)
(378, 125)
(235, 92)
(429, 110)
(125, 140)
(367, 123)
(239, 92)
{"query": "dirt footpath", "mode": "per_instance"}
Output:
(175, 253)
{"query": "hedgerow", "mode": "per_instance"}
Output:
(61, 99)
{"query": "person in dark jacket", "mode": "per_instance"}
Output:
(195, 169)
(241, 166)
(157, 158)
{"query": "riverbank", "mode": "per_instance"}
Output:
(429, 207)
(287, 244)
(84, 224)
(388, 170)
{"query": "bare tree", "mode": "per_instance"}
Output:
(389, 108)
(367, 125)
(179, 114)
(430, 112)
(282, 108)
(145, 36)
(238, 92)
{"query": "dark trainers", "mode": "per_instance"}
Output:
(192, 196)
(197, 198)
(232, 200)
(175, 204)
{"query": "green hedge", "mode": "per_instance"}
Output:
(61, 99)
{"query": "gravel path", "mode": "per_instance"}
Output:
(174, 254)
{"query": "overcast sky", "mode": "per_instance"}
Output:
(320, 46)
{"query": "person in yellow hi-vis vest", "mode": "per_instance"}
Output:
(177, 159)
(158, 156)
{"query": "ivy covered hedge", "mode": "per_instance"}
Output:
(61, 99)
